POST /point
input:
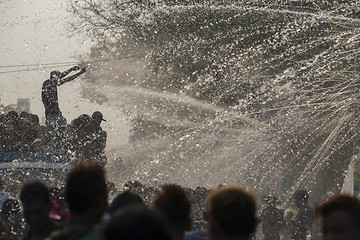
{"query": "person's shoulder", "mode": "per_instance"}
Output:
(79, 233)
(92, 235)
(196, 235)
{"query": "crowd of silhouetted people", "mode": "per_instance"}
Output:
(86, 209)
(82, 138)
(23, 133)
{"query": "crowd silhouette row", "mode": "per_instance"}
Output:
(81, 211)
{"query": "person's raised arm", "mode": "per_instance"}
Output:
(72, 77)
(65, 73)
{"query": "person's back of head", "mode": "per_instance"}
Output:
(55, 73)
(29, 131)
(86, 191)
(124, 200)
(231, 213)
(173, 202)
(34, 190)
(97, 116)
(271, 200)
(35, 198)
(340, 215)
(24, 114)
(12, 116)
(34, 118)
(81, 122)
(136, 223)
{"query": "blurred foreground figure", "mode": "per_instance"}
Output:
(231, 213)
(86, 195)
(174, 204)
(12, 223)
(136, 223)
(58, 137)
(340, 217)
(35, 198)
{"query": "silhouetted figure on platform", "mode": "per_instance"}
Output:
(58, 137)
(92, 146)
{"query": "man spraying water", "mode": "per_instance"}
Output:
(58, 135)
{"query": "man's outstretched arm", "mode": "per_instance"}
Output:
(68, 79)
(65, 73)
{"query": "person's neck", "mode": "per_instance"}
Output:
(45, 231)
(176, 233)
(225, 237)
(80, 220)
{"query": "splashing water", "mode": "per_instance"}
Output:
(259, 95)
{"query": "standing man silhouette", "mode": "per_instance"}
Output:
(57, 139)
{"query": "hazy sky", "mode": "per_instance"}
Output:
(34, 32)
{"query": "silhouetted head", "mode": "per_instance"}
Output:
(136, 223)
(82, 121)
(86, 191)
(24, 114)
(34, 190)
(125, 200)
(173, 202)
(12, 116)
(300, 197)
(97, 118)
(55, 74)
(231, 212)
(35, 198)
(340, 216)
(271, 200)
(34, 118)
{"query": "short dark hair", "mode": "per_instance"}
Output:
(125, 199)
(55, 72)
(35, 190)
(85, 182)
(351, 205)
(136, 223)
(234, 209)
(173, 202)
